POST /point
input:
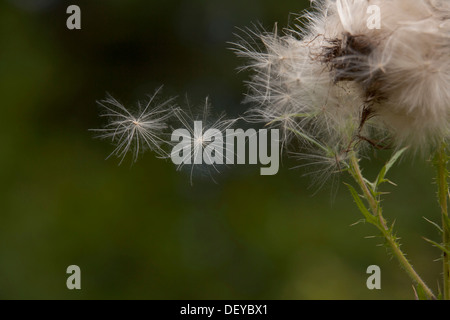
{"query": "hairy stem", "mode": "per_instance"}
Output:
(391, 239)
(441, 161)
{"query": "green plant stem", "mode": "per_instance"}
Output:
(375, 208)
(442, 174)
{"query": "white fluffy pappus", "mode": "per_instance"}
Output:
(194, 139)
(337, 81)
(133, 131)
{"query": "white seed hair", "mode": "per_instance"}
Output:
(186, 118)
(135, 131)
(332, 78)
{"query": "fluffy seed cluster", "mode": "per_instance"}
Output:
(339, 82)
(150, 127)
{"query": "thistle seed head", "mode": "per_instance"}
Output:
(338, 81)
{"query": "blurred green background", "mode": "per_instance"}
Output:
(142, 231)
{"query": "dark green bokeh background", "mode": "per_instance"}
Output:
(142, 232)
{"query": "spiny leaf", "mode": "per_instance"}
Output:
(415, 293)
(369, 217)
(420, 293)
(371, 185)
(440, 296)
(395, 158)
(358, 222)
(435, 225)
(372, 188)
(390, 182)
(391, 231)
(437, 245)
(388, 166)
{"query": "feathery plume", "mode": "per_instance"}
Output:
(196, 139)
(135, 130)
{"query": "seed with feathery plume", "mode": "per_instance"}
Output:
(199, 133)
(133, 131)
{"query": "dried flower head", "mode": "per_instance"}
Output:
(333, 79)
